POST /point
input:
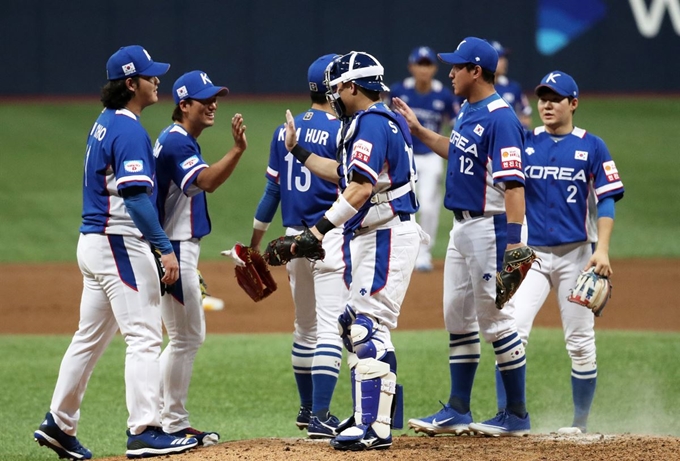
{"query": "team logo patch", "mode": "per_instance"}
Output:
(313, 87)
(611, 171)
(581, 155)
(511, 158)
(479, 129)
(129, 68)
(133, 166)
(438, 105)
(361, 150)
(182, 92)
(308, 115)
(529, 150)
(188, 163)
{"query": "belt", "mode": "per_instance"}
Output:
(404, 217)
(461, 215)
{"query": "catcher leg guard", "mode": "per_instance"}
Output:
(345, 321)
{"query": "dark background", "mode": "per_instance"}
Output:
(265, 46)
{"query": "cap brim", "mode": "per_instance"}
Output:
(155, 70)
(552, 88)
(452, 58)
(211, 92)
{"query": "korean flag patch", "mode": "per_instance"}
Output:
(581, 155)
(129, 68)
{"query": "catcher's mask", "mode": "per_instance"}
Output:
(357, 67)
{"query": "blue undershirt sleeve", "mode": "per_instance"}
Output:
(145, 218)
(269, 202)
(605, 208)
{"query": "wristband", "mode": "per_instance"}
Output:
(300, 153)
(514, 233)
(259, 225)
(340, 212)
(324, 226)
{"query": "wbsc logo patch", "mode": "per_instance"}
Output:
(188, 163)
(133, 166)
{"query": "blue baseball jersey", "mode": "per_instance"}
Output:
(485, 151)
(118, 155)
(182, 205)
(565, 177)
(304, 196)
(377, 145)
(511, 91)
(432, 108)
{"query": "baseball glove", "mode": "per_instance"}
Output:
(280, 251)
(165, 288)
(592, 291)
(252, 273)
(516, 264)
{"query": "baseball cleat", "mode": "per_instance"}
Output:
(154, 442)
(571, 430)
(445, 421)
(360, 438)
(303, 418)
(326, 429)
(205, 439)
(504, 424)
(66, 446)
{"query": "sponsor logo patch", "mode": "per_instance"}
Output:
(133, 166)
(188, 163)
(581, 155)
(361, 150)
(479, 129)
(511, 158)
(611, 171)
(129, 68)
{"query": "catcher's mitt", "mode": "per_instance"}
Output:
(592, 291)
(516, 264)
(280, 251)
(252, 273)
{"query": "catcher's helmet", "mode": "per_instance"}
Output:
(357, 67)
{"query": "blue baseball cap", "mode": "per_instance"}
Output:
(422, 53)
(560, 82)
(133, 60)
(500, 49)
(317, 73)
(473, 50)
(196, 85)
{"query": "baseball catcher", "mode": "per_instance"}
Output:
(516, 264)
(592, 290)
(252, 273)
(305, 245)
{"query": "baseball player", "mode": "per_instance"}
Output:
(122, 285)
(377, 208)
(511, 90)
(433, 104)
(183, 177)
(318, 288)
(484, 189)
(571, 186)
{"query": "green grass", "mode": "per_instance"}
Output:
(243, 386)
(40, 193)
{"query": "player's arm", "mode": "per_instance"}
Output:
(358, 191)
(144, 216)
(209, 179)
(324, 168)
(437, 143)
(265, 212)
(514, 209)
(605, 227)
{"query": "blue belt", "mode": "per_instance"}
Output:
(458, 214)
(404, 217)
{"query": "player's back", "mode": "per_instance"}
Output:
(118, 155)
(304, 196)
(511, 92)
